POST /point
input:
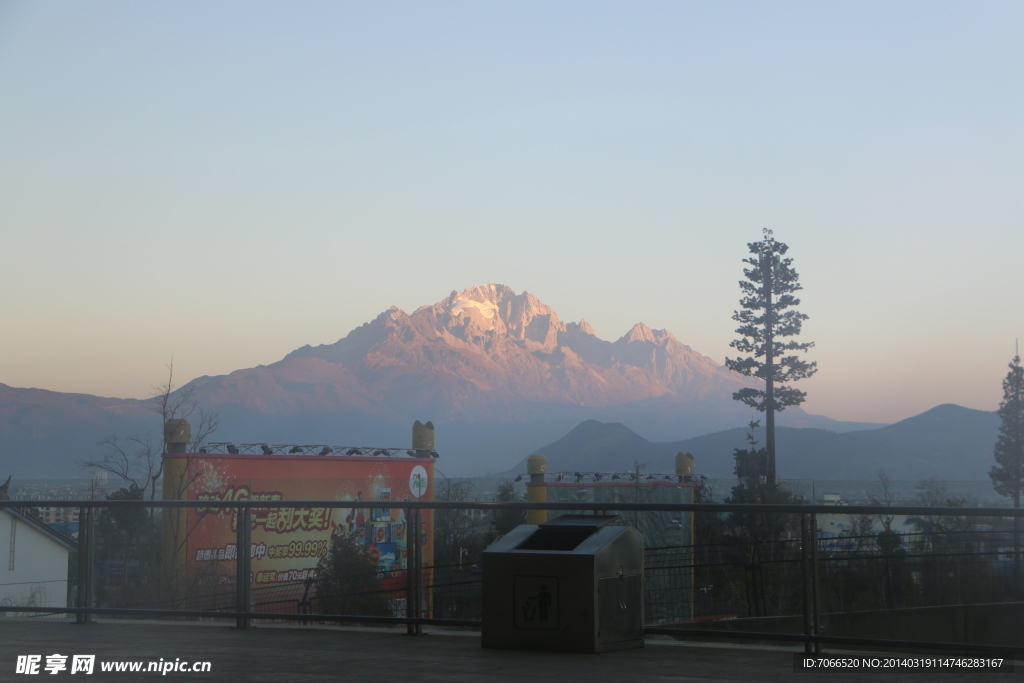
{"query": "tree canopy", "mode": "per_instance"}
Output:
(1008, 473)
(766, 317)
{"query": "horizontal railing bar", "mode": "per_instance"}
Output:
(129, 612)
(832, 640)
(837, 559)
(472, 505)
(831, 542)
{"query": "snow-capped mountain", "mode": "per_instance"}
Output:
(479, 351)
(498, 372)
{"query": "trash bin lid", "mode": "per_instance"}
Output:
(583, 521)
(565, 533)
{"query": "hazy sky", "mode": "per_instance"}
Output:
(224, 182)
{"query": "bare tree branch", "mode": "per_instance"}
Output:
(139, 459)
(884, 496)
(136, 460)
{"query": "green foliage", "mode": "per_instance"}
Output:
(752, 482)
(348, 582)
(703, 490)
(766, 295)
(1008, 473)
(124, 523)
(888, 541)
(942, 532)
(458, 536)
(126, 552)
(751, 468)
(752, 488)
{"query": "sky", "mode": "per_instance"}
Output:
(221, 183)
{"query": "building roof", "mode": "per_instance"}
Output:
(42, 527)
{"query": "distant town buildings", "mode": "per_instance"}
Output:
(54, 515)
(63, 520)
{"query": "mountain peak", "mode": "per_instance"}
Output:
(638, 332)
(493, 308)
(491, 293)
(582, 326)
(487, 348)
(593, 430)
(591, 435)
(642, 333)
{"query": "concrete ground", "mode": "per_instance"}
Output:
(284, 654)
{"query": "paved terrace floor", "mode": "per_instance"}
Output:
(309, 655)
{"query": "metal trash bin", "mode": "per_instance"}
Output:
(573, 584)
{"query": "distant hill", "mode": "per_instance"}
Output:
(43, 434)
(947, 442)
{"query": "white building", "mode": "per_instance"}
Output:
(33, 562)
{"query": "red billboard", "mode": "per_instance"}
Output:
(288, 543)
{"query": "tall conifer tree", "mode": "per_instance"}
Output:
(766, 317)
(1008, 473)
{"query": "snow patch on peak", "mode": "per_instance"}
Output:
(461, 306)
(491, 293)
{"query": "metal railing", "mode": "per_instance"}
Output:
(805, 551)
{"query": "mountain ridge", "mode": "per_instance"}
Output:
(497, 371)
(947, 442)
(502, 343)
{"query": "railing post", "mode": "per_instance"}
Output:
(816, 582)
(410, 532)
(85, 546)
(805, 581)
(243, 563)
(418, 574)
(414, 579)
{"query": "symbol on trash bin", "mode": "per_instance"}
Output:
(537, 606)
(536, 602)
